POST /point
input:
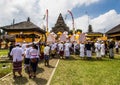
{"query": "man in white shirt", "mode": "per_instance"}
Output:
(67, 50)
(117, 47)
(34, 57)
(27, 58)
(17, 54)
(53, 49)
(98, 50)
(61, 49)
(82, 50)
(75, 43)
(46, 54)
(102, 49)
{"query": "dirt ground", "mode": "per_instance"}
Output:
(43, 75)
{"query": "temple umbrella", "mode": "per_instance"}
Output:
(59, 33)
(78, 33)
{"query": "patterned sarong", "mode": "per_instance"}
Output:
(61, 53)
(17, 66)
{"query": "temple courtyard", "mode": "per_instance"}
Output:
(73, 71)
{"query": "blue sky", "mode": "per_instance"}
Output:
(97, 9)
(102, 13)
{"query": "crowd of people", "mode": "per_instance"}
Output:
(32, 53)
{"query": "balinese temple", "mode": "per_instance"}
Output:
(114, 33)
(25, 31)
(93, 35)
(60, 25)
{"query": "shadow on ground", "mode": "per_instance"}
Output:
(39, 70)
(20, 81)
(74, 58)
(50, 66)
(40, 81)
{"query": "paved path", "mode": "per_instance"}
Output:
(43, 75)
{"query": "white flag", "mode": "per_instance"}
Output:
(82, 38)
(50, 38)
(63, 37)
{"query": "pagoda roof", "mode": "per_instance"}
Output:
(60, 25)
(23, 26)
(115, 29)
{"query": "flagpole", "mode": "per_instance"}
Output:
(88, 18)
(47, 20)
(72, 21)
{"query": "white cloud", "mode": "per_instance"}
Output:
(80, 23)
(18, 9)
(61, 6)
(106, 21)
(102, 23)
(21, 9)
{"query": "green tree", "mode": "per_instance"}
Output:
(78, 30)
(70, 32)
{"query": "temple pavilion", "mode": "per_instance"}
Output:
(93, 35)
(25, 31)
(114, 33)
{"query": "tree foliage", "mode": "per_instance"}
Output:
(78, 30)
(70, 32)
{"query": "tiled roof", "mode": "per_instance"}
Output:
(116, 29)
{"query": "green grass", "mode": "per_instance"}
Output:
(3, 62)
(3, 52)
(5, 70)
(82, 72)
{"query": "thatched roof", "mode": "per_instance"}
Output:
(116, 29)
(23, 26)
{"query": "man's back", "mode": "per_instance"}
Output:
(17, 53)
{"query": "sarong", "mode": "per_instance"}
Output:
(17, 66)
